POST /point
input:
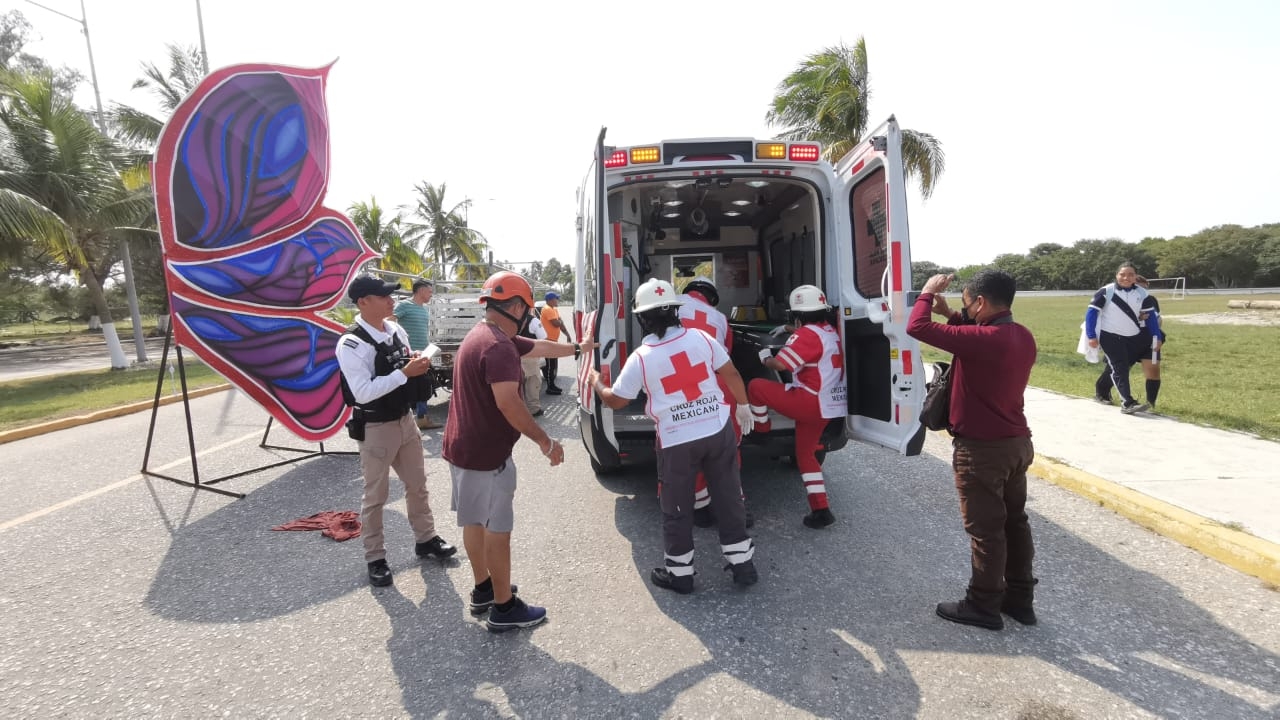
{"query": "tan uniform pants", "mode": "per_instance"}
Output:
(393, 445)
(532, 368)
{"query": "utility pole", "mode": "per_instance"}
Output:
(204, 54)
(131, 292)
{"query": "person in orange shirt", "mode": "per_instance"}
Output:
(552, 323)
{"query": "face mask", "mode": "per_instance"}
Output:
(965, 317)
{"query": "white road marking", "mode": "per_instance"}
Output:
(35, 514)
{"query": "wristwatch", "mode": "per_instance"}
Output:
(577, 351)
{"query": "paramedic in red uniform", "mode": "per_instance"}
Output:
(699, 312)
(677, 370)
(815, 396)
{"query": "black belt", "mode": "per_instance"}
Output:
(369, 417)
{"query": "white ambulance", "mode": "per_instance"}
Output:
(758, 218)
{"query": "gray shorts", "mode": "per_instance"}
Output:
(484, 497)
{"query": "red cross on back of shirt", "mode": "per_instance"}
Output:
(699, 322)
(686, 377)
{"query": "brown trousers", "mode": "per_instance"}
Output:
(991, 477)
(387, 445)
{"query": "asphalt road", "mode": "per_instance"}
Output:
(40, 360)
(130, 597)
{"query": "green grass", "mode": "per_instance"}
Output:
(37, 400)
(1224, 376)
(42, 330)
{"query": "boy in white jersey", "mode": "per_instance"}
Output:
(678, 368)
(698, 311)
(815, 396)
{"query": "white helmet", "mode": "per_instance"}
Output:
(655, 293)
(808, 298)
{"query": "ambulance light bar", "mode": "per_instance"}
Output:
(803, 153)
(640, 155)
(771, 151)
(794, 152)
(698, 152)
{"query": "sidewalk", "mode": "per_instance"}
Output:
(1213, 490)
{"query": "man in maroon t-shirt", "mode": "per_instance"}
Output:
(992, 442)
(487, 415)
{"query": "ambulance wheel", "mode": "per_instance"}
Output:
(599, 469)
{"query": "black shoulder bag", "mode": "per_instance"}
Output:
(935, 414)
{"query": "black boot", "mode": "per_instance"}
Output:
(967, 613)
(819, 519)
(1018, 599)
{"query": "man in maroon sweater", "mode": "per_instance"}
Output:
(992, 443)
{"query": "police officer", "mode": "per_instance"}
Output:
(381, 380)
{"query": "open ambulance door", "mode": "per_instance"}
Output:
(883, 367)
(596, 312)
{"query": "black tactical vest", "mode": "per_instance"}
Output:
(394, 404)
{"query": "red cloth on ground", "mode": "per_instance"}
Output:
(339, 525)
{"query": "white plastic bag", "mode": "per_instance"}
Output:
(1090, 354)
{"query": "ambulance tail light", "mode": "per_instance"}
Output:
(771, 151)
(616, 160)
(804, 153)
(643, 155)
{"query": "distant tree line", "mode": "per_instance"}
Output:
(1226, 256)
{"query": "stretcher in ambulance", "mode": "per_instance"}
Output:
(757, 218)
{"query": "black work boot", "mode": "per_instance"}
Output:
(819, 519)
(663, 578)
(379, 573)
(1018, 599)
(744, 573)
(967, 613)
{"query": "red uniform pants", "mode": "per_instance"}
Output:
(801, 406)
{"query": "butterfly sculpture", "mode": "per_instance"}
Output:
(251, 257)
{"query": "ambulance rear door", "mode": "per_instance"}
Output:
(597, 309)
(882, 363)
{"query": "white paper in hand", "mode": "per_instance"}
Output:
(431, 351)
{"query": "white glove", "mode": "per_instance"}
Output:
(745, 419)
(765, 354)
(780, 330)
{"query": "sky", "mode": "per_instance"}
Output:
(1060, 121)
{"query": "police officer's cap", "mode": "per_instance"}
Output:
(368, 285)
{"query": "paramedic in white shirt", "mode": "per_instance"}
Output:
(677, 369)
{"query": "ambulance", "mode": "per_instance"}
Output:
(757, 218)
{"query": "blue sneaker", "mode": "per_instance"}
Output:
(522, 615)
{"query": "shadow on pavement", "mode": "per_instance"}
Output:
(835, 612)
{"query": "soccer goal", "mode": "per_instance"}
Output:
(1172, 288)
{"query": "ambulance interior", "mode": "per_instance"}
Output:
(755, 238)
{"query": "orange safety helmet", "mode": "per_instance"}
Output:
(505, 285)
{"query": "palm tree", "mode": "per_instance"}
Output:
(386, 237)
(142, 129)
(60, 189)
(448, 239)
(826, 98)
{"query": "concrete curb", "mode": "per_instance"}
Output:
(1241, 551)
(68, 422)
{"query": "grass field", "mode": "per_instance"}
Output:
(37, 400)
(1222, 375)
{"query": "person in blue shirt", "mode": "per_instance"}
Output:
(1123, 319)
